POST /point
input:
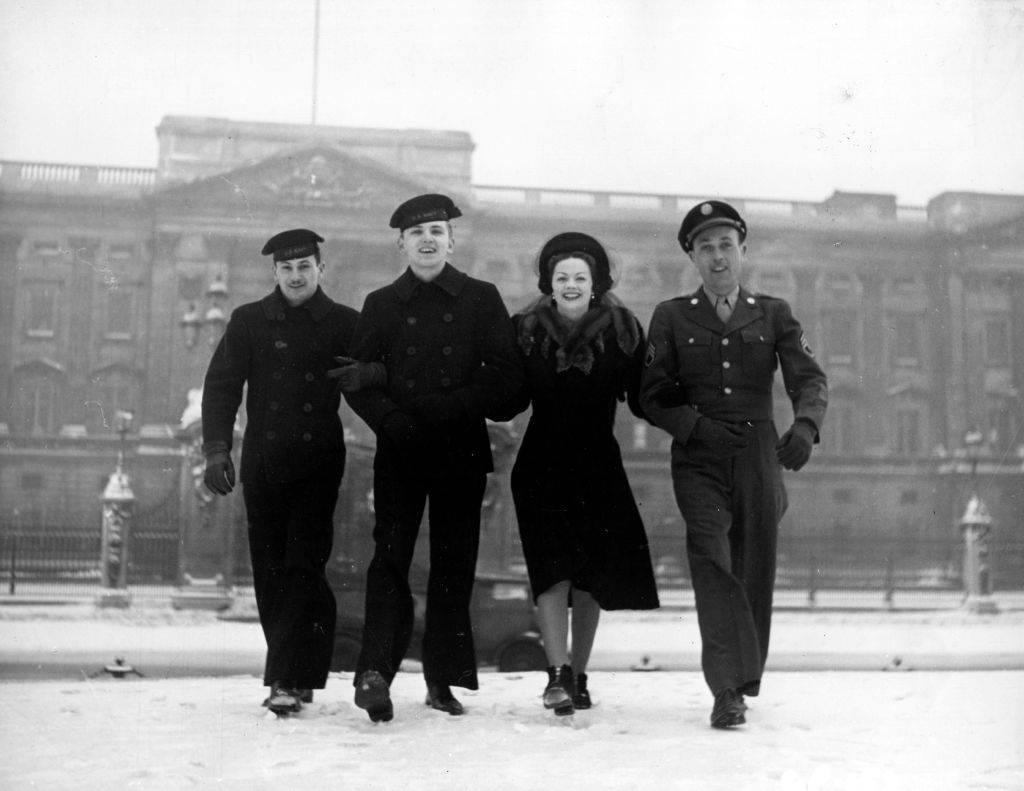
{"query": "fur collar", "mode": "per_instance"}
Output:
(576, 342)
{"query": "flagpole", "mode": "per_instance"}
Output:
(316, 59)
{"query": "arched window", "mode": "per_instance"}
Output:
(37, 399)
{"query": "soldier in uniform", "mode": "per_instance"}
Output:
(708, 377)
(447, 343)
(293, 456)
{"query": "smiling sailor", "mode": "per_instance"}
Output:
(447, 343)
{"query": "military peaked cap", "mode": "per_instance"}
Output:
(424, 208)
(706, 215)
(296, 243)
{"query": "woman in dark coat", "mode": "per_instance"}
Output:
(582, 535)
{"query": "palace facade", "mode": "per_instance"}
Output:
(115, 283)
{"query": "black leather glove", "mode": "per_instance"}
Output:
(219, 475)
(353, 375)
(437, 410)
(723, 439)
(794, 447)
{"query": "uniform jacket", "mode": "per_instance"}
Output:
(283, 354)
(451, 336)
(696, 365)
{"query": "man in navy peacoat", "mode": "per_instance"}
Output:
(446, 341)
(293, 456)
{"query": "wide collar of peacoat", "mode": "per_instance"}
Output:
(449, 279)
(700, 311)
(319, 305)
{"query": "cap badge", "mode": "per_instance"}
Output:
(706, 209)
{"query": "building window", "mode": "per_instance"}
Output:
(842, 333)
(1002, 425)
(41, 309)
(37, 402)
(906, 340)
(669, 278)
(840, 435)
(908, 497)
(997, 341)
(842, 495)
(120, 313)
(111, 390)
(32, 481)
(908, 432)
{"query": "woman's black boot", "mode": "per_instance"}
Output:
(558, 693)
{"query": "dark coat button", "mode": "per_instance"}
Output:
(410, 383)
(307, 407)
(411, 319)
(446, 382)
(447, 350)
(411, 351)
(271, 435)
(280, 345)
(280, 317)
(448, 317)
(273, 406)
(307, 437)
(277, 374)
(310, 377)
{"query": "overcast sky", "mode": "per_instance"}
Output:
(786, 99)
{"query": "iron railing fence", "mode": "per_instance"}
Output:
(65, 560)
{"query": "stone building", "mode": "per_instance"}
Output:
(114, 283)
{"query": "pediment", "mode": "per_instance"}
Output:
(318, 176)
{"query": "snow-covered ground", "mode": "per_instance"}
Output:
(808, 730)
(898, 717)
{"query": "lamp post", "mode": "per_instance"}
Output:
(206, 557)
(976, 524)
(118, 509)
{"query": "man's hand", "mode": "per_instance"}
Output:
(723, 439)
(219, 475)
(353, 375)
(437, 410)
(794, 447)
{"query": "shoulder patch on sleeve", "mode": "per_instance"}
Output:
(805, 345)
(650, 355)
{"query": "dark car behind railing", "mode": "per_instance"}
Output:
(505, 630)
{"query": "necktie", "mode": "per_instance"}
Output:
(723, 309)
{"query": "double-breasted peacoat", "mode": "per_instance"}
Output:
(283, 354)
(447, 337)
(447, 345)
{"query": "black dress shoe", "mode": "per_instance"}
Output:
(728, 710)
(581, 697)
(305, 695)
(440, 697)
(283, 699)
(372, 694)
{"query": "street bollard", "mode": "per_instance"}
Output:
(118, 508)
(976, 524)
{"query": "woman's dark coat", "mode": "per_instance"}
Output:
(568, 483)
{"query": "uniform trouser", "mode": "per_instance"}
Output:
(400, 495)
(732, 509)
(291, 529)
